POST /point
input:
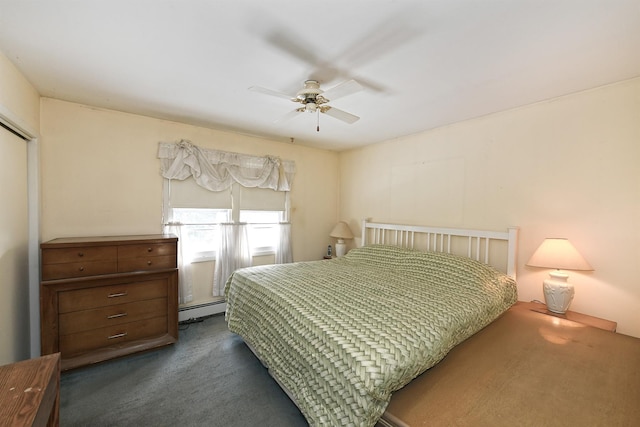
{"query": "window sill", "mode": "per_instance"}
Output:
(263, 252)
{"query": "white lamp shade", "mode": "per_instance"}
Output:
(341, 231)
(559, 254)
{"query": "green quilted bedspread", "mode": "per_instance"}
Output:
(342, 335)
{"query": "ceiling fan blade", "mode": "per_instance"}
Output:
(290, 115)
(271, 92)
(343, 89)
(341, 115)
(292, 45)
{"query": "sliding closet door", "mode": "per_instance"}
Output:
(14, 283)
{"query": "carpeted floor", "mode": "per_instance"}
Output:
(209, 378)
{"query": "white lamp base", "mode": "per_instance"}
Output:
(558, 293)
(341, 248)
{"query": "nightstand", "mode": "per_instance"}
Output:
(584, 319)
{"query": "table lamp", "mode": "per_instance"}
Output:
(562, 255)
(341, 231)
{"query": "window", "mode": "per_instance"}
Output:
(263, 230)
(200, 228)
(200, 211)
(202, 191)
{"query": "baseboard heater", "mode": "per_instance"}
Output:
(201, 310)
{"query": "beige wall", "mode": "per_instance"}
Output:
(567, 167)
(101, 176)
(18, 96)
(20, 102)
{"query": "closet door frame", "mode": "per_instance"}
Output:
(31, 137)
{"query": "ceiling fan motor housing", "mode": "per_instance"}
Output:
(310, 91)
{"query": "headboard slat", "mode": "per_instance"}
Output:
(486, 251)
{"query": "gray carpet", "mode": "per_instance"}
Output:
(209, 378)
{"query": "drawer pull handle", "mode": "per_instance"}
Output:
(80, 254)
(81, 269)
(124, 334)
(149, 249)
(120, 294)
(148, 262)
(115, 316)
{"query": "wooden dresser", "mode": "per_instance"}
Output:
(106, 297)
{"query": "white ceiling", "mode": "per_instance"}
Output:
(423, 63)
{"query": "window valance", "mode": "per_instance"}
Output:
(217, 170)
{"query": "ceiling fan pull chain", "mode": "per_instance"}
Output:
(318, 120)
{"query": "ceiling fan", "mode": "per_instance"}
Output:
(315, 100)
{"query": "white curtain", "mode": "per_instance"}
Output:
(283, 250)
(185, 283)
(217, 170)
(233, 252)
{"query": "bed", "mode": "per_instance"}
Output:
(340, 336)
(359, 351)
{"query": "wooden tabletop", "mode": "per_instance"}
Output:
(573, 316)
(29, 392)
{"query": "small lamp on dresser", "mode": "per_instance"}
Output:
(341, 231)
(559, 254)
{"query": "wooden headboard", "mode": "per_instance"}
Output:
(497, 248)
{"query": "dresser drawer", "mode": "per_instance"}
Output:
(78, 269)
(79, 254)
(66, 263)
(146, 250)
(147, 263)
(111, 336)
(87, 320)
(103, 296)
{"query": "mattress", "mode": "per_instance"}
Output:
(342, 335)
